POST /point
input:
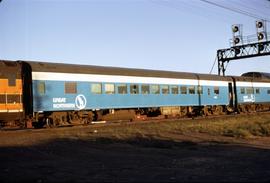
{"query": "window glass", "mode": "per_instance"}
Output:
(145, 89)
(174, 89)
(209, 91)
(96, 88)
(250, 90)
(268, 92)
(109, 88)
(183, 89)
(122, 88)
(191, 89)
(70, 87)
(257, 90)
(216, 90)
(13, 99)
(134, 89)
(242, 90)
(155, 89)
(41, 87)
(3, 99)
(165, 89)
(12, 80)
(200, 90)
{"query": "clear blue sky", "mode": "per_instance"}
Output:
(177, 35)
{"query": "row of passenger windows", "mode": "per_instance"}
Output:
(250, 90)
(10, 98)
(96, 88)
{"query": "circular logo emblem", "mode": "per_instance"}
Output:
(80, 102)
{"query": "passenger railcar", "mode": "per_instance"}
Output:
(63, 87)
(253, 93)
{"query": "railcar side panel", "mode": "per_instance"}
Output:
(253, 92)
(51, 96)
(11, 107)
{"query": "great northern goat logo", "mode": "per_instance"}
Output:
(80, 102)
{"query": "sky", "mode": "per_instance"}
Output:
(172, 35)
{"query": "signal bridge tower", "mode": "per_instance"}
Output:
(244, 47)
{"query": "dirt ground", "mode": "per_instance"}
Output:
(78, 154)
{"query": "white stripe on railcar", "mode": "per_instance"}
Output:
(51, 76)
(11, 110)
(250, 84)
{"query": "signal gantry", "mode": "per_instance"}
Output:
(244, 47)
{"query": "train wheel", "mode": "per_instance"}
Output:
(218, 110)
(184, 111)
(206, 111)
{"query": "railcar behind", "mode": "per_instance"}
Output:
(253, 92)
(11, 106)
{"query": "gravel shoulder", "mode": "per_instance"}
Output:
(89, 154)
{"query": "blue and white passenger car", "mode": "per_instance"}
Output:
(64, 87)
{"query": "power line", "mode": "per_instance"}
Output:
(213, 65)
(236, 10)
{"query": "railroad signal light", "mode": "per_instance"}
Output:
(260, 47)
(261, 30)
(236, 40)
(235, 28)
(237, 51)
(237, 34)
(260, 36)
(259, 24)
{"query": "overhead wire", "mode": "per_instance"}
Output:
(213, 65)
(236, 10)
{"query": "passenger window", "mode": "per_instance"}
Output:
(41, 87)
(242, 90)
(174, 89)
(191, 89)
(155, 89)
(250, 91)
(268, 92)
(11, 80)
(200, 90)
(122, 88)
(3, 99)
(165, 89)
(109, 88)
(145, 89)
(134, 89)
(96, 88)
(183, 89)
(70, 87)
(216, 90)
(13, 99)
(257, 90)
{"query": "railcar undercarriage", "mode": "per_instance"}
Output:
(62, 118)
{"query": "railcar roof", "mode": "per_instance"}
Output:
(86, 69)
(8, 68)
(261, 75)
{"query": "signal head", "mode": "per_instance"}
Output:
(260, 47)
(237, 51)
(236, 40)
(260, 36)
(259, 24)
(235, 28)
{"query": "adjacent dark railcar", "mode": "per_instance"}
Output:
(11, 92)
